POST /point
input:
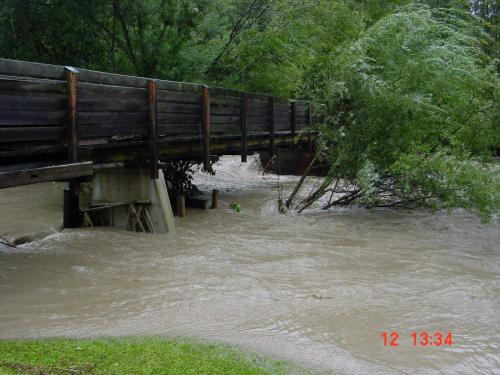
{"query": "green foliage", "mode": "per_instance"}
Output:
(134, 37)
(410, 103)
(179, 177)
(447, 179)
(235, 206)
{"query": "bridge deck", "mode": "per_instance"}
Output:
(65, 117)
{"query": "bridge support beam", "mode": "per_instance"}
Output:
(71, 207)
(129, 185)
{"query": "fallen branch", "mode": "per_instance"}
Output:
(5, 241)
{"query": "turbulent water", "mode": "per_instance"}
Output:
(317, 288)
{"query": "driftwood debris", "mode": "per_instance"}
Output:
(138, 217)
(6, 242)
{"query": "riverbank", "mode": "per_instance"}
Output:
(132, 356)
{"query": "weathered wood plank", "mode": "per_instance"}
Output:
(110, 130)
(219, 101)
(282, 126)
(108, 118)
(252, 128)
(27, 134)
(282, 107)
(106, 104)
(90, 90)
(30, 69)
(171, 128)
(233, 128)
(254, 106)
(31, 87)
(31, 118)
(216, 110)
(44, 174)
(259, 117)
(112, 79)
(179, 108)
(178, 118)
(178, 97)
(224, 119)
(179, 86)
(32, 103)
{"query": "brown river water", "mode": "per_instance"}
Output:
(317, 288)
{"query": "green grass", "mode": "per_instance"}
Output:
(132, 356)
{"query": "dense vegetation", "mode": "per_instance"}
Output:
(131, 356)
(410, 89)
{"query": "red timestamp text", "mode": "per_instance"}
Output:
(392, 339)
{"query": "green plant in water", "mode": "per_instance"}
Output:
(235, 206)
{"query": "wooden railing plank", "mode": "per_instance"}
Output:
(43, 174)
(113, 110)
(30, 69)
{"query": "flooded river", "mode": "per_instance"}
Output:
(317, 288)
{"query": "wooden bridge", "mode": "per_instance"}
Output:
(64, 123)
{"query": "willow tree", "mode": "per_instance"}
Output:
(412, 116)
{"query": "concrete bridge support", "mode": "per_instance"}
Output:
(129, 185)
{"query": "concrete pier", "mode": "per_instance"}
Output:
(129, 185)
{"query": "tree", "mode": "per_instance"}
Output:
(131, 37)
(412, 109)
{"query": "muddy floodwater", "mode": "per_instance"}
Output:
(317, 288)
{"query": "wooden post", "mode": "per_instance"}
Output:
(71, 210)
(243, 126)
(293, 126)
(309, 115)
(72, 109)
(309, 124)
(215, 198)
(181, 206)
(272, 105)
(206, 129)
(153, 128)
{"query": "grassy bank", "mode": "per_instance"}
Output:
(132, 356)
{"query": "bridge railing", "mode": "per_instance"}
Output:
(48, 108)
